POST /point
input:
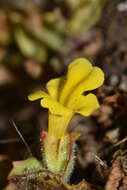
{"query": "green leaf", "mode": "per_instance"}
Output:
(85, 14)
(26, 166)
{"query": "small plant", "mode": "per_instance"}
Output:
(64, 98)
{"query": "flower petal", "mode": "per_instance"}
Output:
(37, 95)
(91, 82)
(84, 105)
(54, 86)
(78, 70)
(54, 107)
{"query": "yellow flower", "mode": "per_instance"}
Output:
(65, 95)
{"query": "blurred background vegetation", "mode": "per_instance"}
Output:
(38, 38)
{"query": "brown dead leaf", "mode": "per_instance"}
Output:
(33, 68)
(117, 179)
(5, 76)
(118, 102)
(115, 176)
(104, 115)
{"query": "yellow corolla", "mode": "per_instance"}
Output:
(65, 95)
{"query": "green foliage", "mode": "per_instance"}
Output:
(24, 167)
(85, 13)
(52, 173)
(38, 33)
(29, 47)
